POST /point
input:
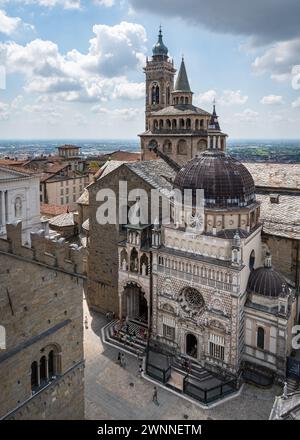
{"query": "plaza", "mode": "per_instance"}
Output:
(116, 393)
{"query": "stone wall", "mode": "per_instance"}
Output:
(103, 244)
(41, 295)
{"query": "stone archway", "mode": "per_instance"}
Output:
(134, 303)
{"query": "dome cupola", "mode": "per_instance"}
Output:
(267, 282)
(226, 182)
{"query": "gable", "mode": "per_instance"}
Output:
(7, 173)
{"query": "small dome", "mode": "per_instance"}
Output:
(159, 48)
(226, 182)
(267, 282)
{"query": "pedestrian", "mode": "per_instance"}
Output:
(140, 370)
(123, 361)
(119, 358)
(86, 322)
(154, 398)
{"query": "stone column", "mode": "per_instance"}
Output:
(47, 369)
(214, 142)
(120, 305)
(38, 375)
(3, 208)
(208, 142)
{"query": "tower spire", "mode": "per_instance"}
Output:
(214, 123)
(182, 82)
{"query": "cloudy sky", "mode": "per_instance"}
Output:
(74, 67)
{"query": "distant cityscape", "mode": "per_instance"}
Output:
(246, 150)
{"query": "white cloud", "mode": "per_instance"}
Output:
(233, 97)
(107, 3)
(4, 111)
(97, 75)
(66, 4)
(129, 91)
(226, 98)
(126, 114)
(247, 115)
(8, 25)
(279, 60)
(272, 100)
(296, 104)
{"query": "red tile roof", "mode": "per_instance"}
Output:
(53, 210)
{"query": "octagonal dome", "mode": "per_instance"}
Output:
(267, 282)
(226, 182)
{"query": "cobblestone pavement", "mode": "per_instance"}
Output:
(116, 393)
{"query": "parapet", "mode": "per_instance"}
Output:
(55, 253)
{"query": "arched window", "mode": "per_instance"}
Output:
(167, 147)
(252, 260)
(155, 124)
(188, 123)
(201, 123)
(144, 265)
(182, 147)
(34, 375)
(261, 338)
(134, 260)
(186, 100)
(168, 123)
(181, 123)
(161, 123)
(155, 94)
(181, 100)
(174, 123)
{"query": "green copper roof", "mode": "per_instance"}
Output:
(159, 48)
(182, 82)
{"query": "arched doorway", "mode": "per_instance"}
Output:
(135, 305)
(191, 345)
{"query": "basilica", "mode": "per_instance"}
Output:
(212, 296)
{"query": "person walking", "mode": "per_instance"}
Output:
(119, 359)
(155, 397)
(140, 370)
(123, 361)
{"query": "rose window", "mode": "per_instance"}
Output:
(193, 298)
(191, 301)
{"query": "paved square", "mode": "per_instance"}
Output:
(116, 393)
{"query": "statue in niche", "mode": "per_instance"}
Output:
(144, 269)
(124, 264)
(18, 207)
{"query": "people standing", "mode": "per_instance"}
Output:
(140, 370)
(123, 361)
(155, 396)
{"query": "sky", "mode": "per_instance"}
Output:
(74, 68)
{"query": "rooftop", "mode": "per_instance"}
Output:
(283, 218)
(63, 220)
(181, 109)
(277, 175)
(53, 210)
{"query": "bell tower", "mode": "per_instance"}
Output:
(160, 73)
